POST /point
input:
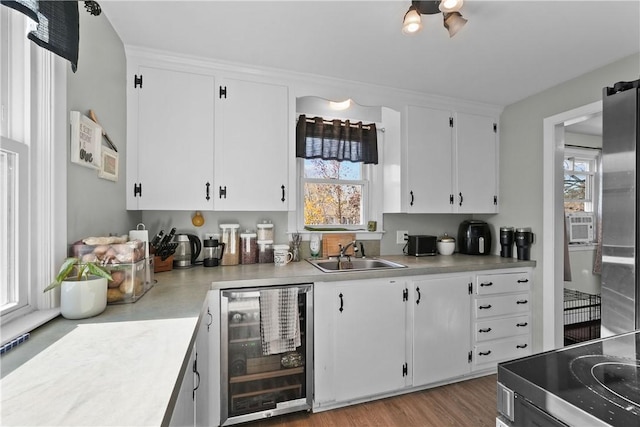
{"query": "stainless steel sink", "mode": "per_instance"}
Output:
(332, 265)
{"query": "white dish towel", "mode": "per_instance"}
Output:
(279, 323)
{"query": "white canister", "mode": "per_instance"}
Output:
(281, 255)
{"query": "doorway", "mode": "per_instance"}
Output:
(553, 220)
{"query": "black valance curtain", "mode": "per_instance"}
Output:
(317, 138)
(58, 26)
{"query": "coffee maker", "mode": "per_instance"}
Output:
(212, 252)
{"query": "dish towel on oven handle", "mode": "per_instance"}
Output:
(279, 323)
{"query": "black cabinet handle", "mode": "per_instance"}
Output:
(223, 192)
(195, 370)
(461, 199)
(210, 319)
(283, 199)
(522, 301)
(484, 330)
(486, 284)
(411, 203)
(521, 325)
(207, 192)
(419, 296)
(485, 307)
(341, 302)
(521, 346)
(523, 280)
(484, 353)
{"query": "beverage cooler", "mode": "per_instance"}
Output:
(266, 347)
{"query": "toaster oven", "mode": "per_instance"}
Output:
(423, 245)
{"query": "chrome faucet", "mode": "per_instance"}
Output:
(343, 249)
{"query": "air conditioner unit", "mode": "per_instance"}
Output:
(580, 227)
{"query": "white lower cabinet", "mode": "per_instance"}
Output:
(359, 344)
(501, 318)
(441, 333)
(198, 402)
(384, 336)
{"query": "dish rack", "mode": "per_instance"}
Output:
(581, 316)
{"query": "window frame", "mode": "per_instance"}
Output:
(591, 156)
(365, 181)
(33, 113)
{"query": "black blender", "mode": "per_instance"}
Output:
(506, 242)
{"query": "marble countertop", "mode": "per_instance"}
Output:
(125, 366)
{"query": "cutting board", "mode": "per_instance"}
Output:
(330, 243)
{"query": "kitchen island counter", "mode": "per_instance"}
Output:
(125, 366)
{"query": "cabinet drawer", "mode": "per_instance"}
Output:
(498, 351)
(501, 328)
(502, 305)
(500, 283)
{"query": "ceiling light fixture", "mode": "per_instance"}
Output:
(452, 18)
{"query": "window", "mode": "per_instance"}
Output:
(32, 175)
(581, 177)
(334, 193)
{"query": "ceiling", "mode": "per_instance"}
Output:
(508, 50)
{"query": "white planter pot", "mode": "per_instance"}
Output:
(80, 299)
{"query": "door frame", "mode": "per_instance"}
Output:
(553, 221)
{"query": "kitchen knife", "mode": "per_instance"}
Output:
(156, 240)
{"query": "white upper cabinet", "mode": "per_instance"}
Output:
(450, 162)
(477, 164)
(252, 146)
(170, 138)
(429, 160)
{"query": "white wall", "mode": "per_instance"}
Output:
(96, 207)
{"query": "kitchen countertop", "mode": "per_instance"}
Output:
(125, 366)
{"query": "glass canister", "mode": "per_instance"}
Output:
(248, 247)
(265, 231)
(231, 240)
(265, 251)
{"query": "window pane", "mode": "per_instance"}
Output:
(575, 186)
(581, 166)
(332, 169)
(8, 228)
(574, 207)
(332, 204)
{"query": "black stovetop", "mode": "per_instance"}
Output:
(599, 377)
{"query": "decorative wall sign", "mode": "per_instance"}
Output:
(86, 141)
(109, 165)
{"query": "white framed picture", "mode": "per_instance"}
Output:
(86, 140)
(108, 165)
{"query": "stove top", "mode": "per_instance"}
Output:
(600, 378)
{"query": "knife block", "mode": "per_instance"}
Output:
(159, 265)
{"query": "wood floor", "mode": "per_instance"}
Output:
(470, 403)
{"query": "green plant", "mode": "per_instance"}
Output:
(83, 272)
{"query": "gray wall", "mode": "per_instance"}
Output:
(96, 207)
(521, 149)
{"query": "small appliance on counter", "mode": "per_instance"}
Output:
(474, 237)
(187, 250)
(423, 245)
(212, 252)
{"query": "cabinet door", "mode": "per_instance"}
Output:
(429, 161)
(441, 329)
(252, 146)
(184, 409)
(370, 338)
(207, 391)
(477, 164)
(174, 140)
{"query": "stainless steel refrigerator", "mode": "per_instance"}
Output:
(620, 199)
